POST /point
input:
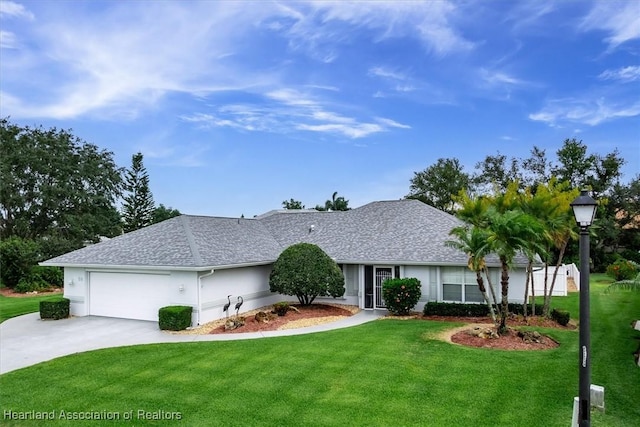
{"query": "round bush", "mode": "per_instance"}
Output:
(305, 271)
(401, 295)
(622, 270)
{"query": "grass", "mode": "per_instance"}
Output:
(383, 373)
(12, 307)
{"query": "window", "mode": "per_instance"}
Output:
(459, 285)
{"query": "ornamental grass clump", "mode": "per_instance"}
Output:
(401, 295)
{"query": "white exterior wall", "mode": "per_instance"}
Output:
(251, 283)
(517, 282)
(422, 273)
(76, 290)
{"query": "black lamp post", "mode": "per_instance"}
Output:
(584, 209)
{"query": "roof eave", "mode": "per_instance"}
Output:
(154, 267)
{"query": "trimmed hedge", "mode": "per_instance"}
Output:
(401, 295)
(560, 316)
(174, 317)
(55, 309)
(470, 310)
(455, 309)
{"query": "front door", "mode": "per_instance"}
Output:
(381, 274)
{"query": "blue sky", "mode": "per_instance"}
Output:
(238, 106)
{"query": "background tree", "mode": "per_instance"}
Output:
(292, 204)
(163, 213)
(138, 207)
(306, 271)
(437, 184)
(496, 173)
(335, 204)
(536, 168)
(56, 187)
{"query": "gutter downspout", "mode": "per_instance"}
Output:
(199, 287)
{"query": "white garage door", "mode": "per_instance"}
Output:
(128, 295)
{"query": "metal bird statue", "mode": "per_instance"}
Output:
(238, 305)
(227, 305)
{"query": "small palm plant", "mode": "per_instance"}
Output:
(625, 285)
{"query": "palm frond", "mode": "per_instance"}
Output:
(625, 285)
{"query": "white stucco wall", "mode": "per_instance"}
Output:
(251, 283)
(75, 289)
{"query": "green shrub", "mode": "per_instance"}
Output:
(560, 316)
(516, 308)
(174, 317)
(281, 308)
(306, 271)
(471, 310)
(55, 309)
(31, 283)
(455, 309)
(631, 255)
(17, 257)
(53, 276)
(622, 269)
(40, 279)
(401, 295)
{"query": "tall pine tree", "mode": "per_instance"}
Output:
(138, 204)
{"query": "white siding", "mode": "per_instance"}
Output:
(251, 283)
(75, 289)
(423, 274)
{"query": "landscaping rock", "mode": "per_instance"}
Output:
(482, 332)
(263, 317)
(530, 336)
(231, 324)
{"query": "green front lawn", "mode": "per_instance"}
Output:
(385, 373)
(12, 307)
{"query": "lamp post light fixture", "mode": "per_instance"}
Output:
(584, 210)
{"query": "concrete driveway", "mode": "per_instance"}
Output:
(27, 340)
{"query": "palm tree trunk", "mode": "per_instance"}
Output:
(504, 282)
(533, 296)
(547, 298)
(526, 291)
(483, 291)
(493, 291)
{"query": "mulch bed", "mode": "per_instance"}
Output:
(508, 341)
(309, 313)
(8, 292)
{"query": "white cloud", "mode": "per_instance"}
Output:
(620, 19)
(391, 123)
(287, 110)
(317, 26)
(387, 73)
(525, 14)
(625, 74)
(16, 10)
(501, 78)
(355, 130)
(584, 111)
(7, 40)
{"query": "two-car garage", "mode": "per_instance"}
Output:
(128, 295)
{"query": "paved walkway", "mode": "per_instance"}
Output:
(27, 340)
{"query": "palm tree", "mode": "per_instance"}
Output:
(473, 241)
(508, 233)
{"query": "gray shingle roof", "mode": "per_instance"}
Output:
(394, 232)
